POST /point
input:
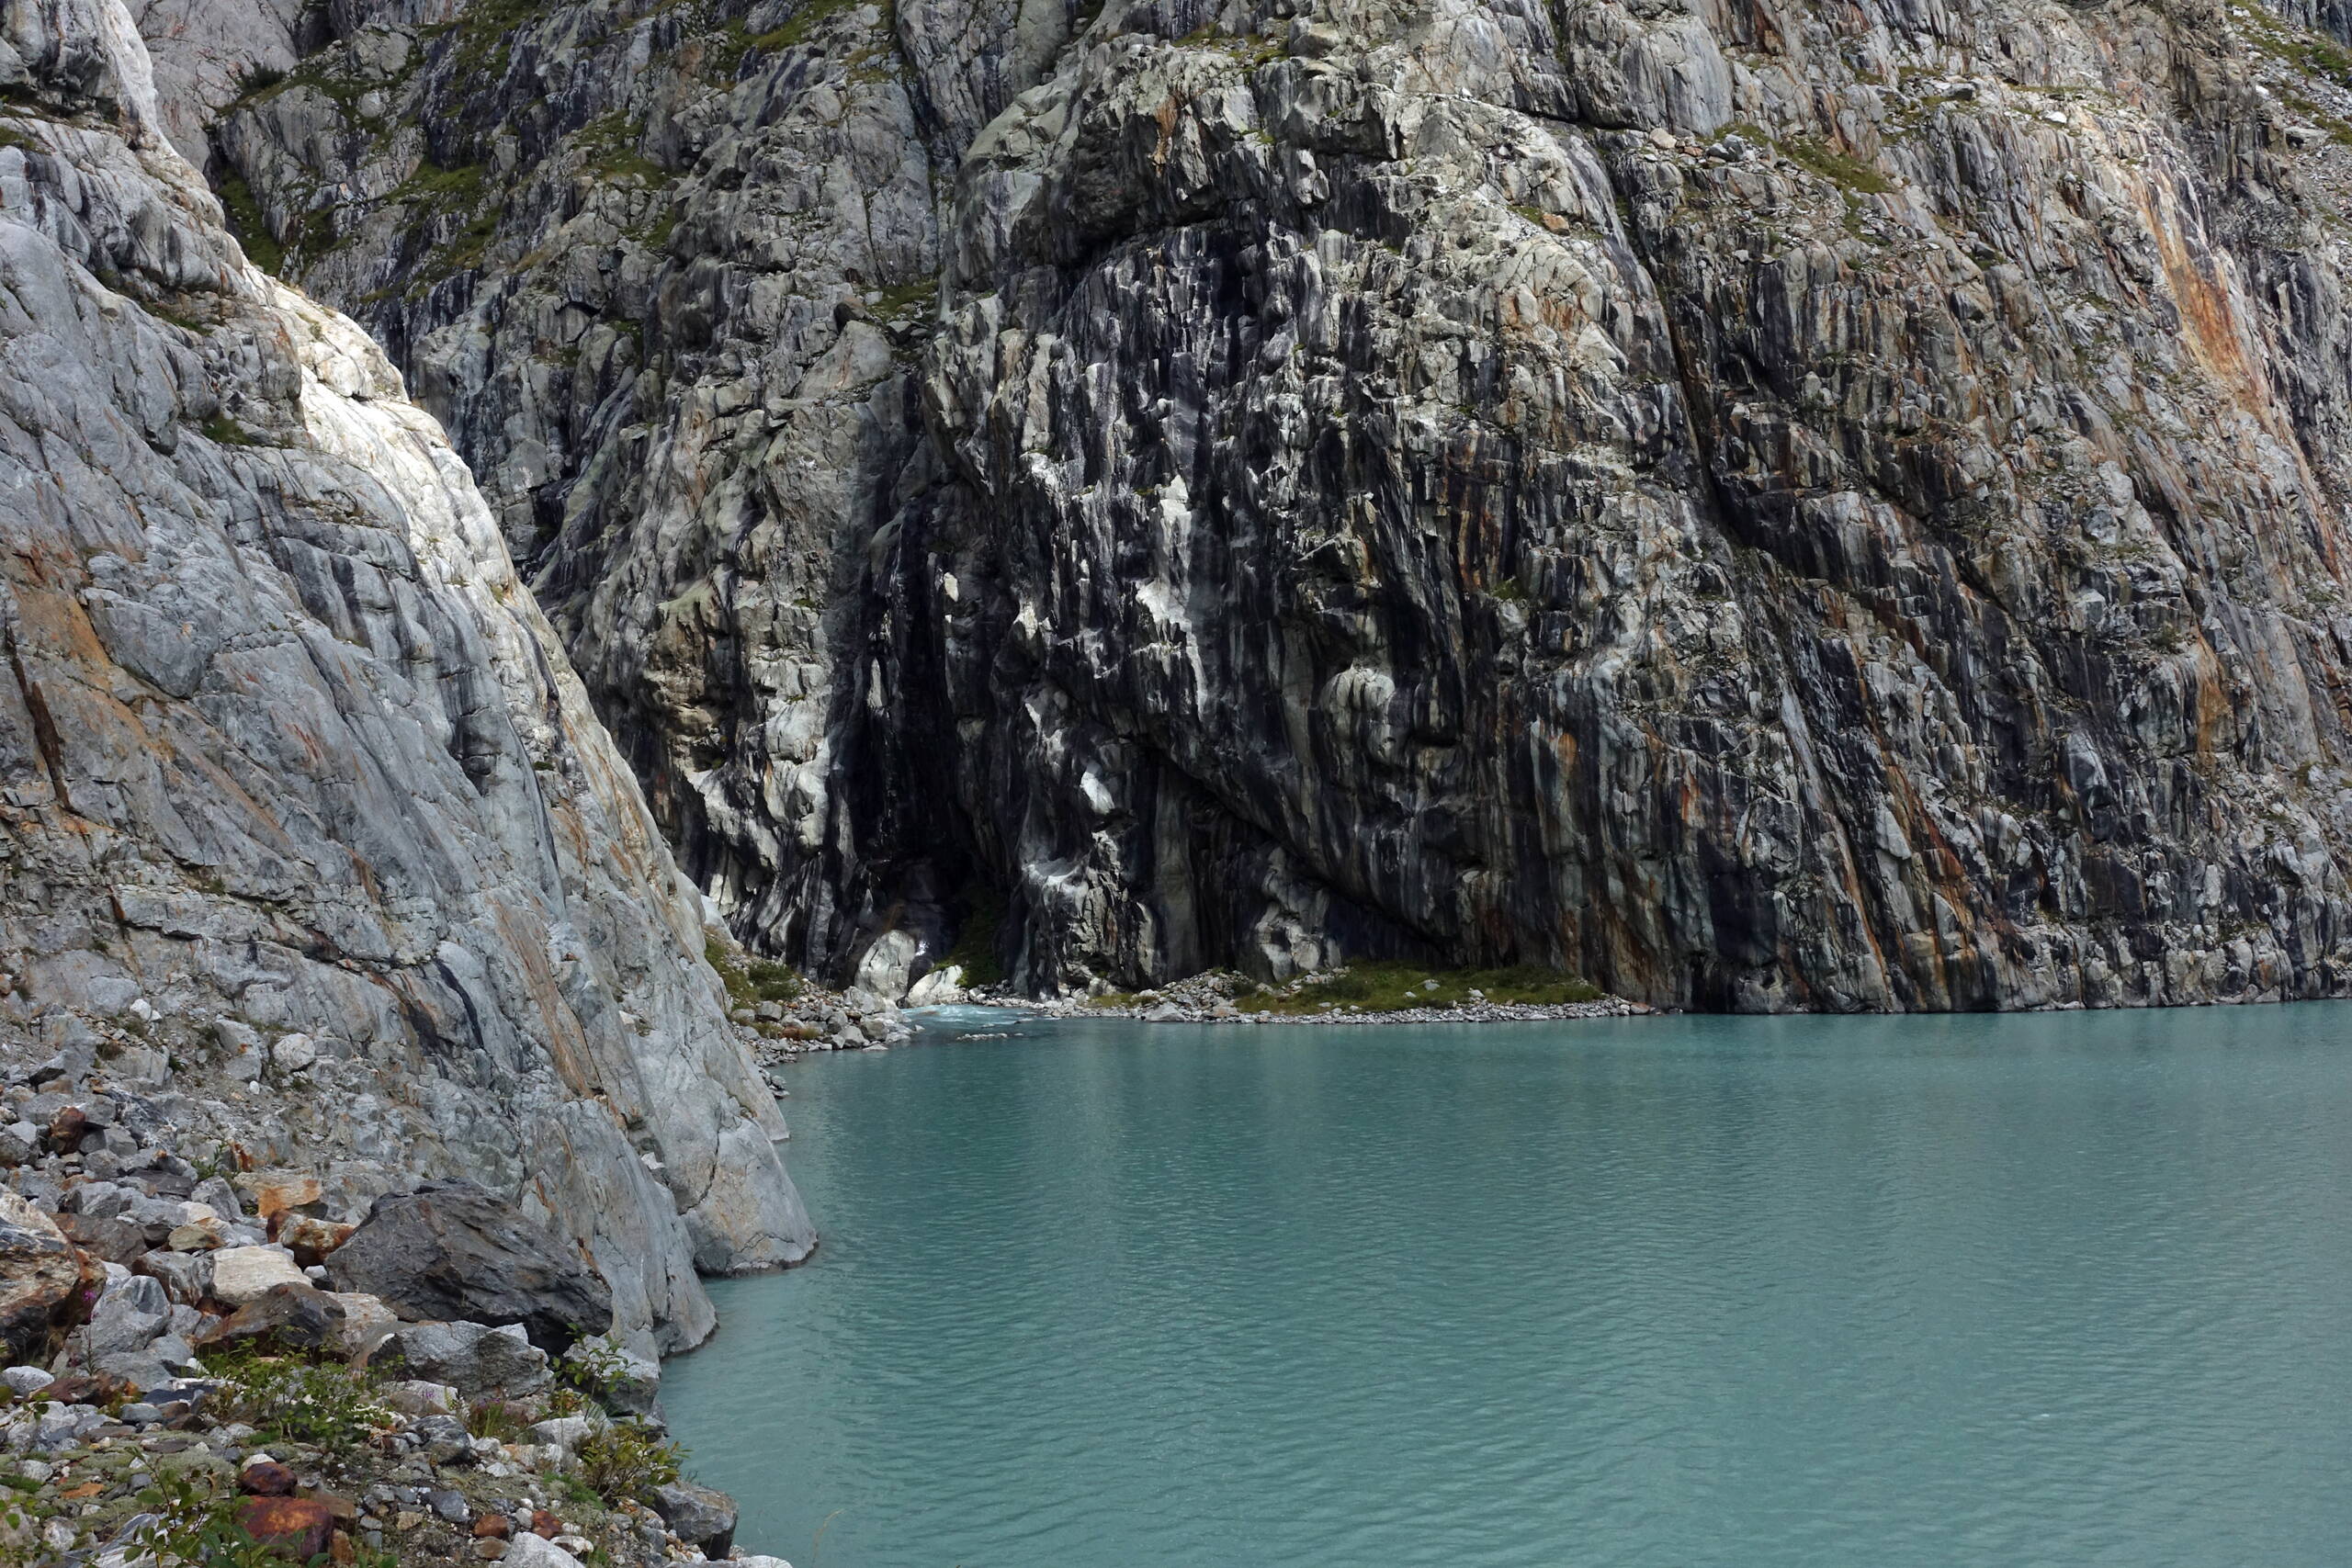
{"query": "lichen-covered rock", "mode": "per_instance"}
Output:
(288, 751)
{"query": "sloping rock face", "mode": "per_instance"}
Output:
(1769, 508)
(295, 773)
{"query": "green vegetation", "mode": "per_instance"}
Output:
(624, 1462)
(448, 189)
(326, 1405)
(248, 226)
(906, 299)
(227, 432)
(486, 34)
(737, 42)
(1843, 170)
(1393, 987)
(750, 984)
(2308, 52)
(610, 145)
(495, 1418)
(975, 949)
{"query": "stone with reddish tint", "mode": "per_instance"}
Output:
(267, 1478)
(545, 1523)
(277, 1192)
(309, 1238)
(66, 1130)
(46, 1283)
(282, 1318)
(298, 1528)
(493, 1527)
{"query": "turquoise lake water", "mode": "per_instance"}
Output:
(2068, 1289)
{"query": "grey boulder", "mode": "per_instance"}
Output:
(455, 1250)
(471, 1358)
(698, 1514)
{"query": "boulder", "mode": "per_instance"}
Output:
(309, 1238)
(453, 1250)
(367, 1321)
(529, 1550)
(474, 1359)
(129, 1317)
(241, 1274)
(186, 1276)
(277, 1192)
(698, 1514)
(109, 1240)
(284, 1317)
(298, 1528)
(43, 1279)
(565, 1432)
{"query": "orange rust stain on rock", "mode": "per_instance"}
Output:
(2210, 327)
(1167, 116)
(567, 1046)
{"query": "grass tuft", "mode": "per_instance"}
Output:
(1393, 987)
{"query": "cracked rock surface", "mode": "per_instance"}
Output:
(309, 838)
(1764, 507)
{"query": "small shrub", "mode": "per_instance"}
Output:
(329, 1406)
(494, 1418)
(624, 1462)
(595, 1367)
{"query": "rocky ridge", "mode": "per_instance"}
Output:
(313, 847)
(1814, 508)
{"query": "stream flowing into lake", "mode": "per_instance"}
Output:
(2063, 1288)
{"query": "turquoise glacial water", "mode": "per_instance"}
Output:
(2062, 1290)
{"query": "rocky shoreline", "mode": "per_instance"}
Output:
(200, 1348)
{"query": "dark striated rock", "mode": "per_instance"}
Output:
(451, 1250)
(1803, 509)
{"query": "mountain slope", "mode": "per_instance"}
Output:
(289, 750)
(1766, 507)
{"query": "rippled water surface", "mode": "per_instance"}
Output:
(2064, 1290)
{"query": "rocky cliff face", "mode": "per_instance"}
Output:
(1768, 506)
(298, 784)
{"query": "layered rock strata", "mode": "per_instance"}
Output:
(312, 851)
(1766, 507)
